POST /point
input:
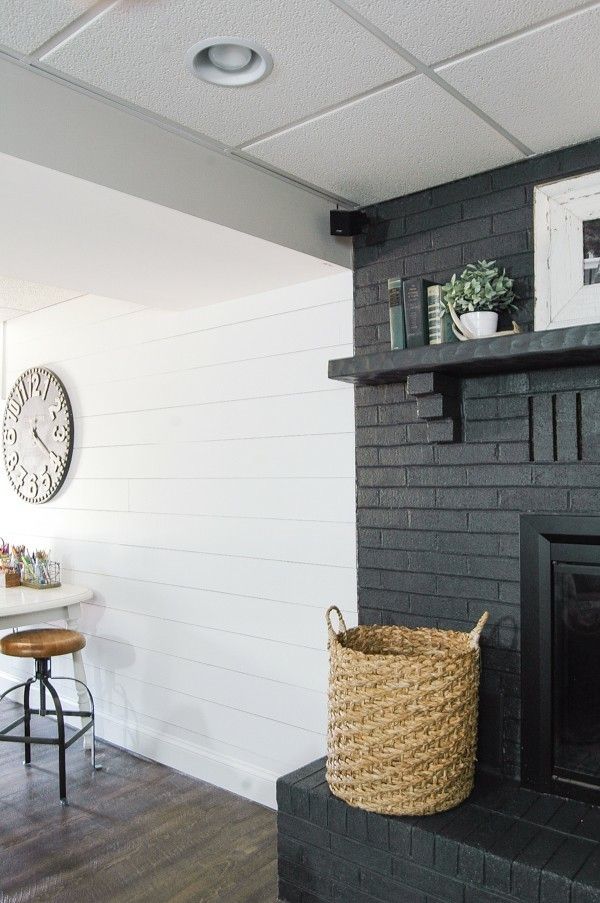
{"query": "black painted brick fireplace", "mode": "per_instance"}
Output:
(438, 543)
(438, 524)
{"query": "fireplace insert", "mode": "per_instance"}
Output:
(560, 654)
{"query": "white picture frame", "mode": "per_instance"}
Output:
(560, 208)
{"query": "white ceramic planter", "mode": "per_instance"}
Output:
(480, 323)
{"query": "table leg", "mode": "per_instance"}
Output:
(79, 674)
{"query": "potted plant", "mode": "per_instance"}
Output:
(477, 295)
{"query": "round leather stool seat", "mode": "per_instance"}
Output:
(43, 643)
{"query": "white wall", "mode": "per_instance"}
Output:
(210, 506)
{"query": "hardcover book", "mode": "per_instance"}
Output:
(397, 333)
(415, 312)
(439, 323)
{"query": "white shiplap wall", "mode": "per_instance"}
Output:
(210, 506)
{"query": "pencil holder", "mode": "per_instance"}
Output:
(47, 577)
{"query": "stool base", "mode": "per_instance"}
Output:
(42, 677)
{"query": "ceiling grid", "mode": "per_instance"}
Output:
(368, 99)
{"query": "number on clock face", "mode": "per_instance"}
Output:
(12, 460)
(37, 435)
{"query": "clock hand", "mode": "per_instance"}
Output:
(39, 442)
(56, 459)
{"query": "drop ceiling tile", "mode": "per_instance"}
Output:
(26, 24)
(435, 30)
(404, 138)
(22, 296)
(321, 57)
(542, 87)
(7, 313)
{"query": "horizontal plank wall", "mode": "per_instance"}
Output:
(210, 506)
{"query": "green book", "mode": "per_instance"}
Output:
(439, 320)
(396, 304)
(415, 311)
(434, 314)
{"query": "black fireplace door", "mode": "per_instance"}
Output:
(561, 658)
(576, 672)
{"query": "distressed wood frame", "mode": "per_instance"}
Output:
(560, 208)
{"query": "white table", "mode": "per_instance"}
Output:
(20, 605)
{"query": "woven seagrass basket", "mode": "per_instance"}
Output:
(402, 733)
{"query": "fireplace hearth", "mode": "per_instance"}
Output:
(560, 654)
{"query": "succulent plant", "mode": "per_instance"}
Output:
(481, 286)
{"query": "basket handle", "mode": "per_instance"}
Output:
(476, 632)
(333, 634)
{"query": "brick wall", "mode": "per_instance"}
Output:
(434, 233)
(438, 524)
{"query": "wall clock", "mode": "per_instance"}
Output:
(37, 435)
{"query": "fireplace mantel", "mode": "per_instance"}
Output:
(547, 349)
(432, 373)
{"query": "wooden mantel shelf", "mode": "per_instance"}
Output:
(574, 346)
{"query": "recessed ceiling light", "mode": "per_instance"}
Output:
(229, 61)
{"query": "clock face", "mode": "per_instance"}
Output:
(37, 435)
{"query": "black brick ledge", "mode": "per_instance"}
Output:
(506, 844)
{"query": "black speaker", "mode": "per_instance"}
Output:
(347, 222)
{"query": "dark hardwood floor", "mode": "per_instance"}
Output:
(135, 831)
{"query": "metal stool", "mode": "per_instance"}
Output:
(41, 645)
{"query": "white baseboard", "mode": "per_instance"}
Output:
(193, 759)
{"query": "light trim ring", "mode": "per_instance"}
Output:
(198, 61)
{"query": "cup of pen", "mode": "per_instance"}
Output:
(38, 571)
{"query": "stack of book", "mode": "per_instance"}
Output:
(416, 314)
